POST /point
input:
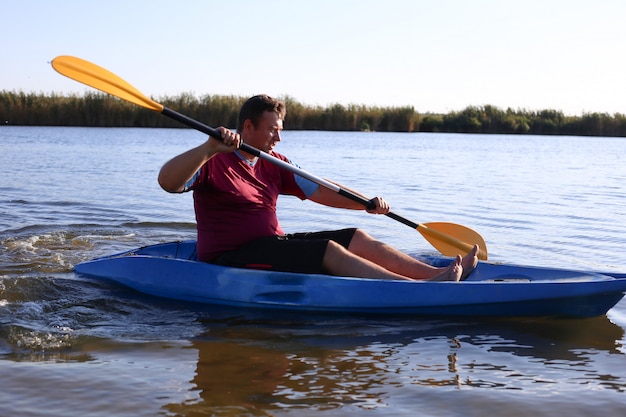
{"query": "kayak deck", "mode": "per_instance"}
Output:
(171, 270)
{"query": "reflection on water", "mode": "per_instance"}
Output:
(262, 363)
(328, 363)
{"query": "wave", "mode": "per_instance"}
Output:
(44, 249)
(46, 310)
(46, 317)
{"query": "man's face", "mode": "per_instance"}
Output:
(266, 134)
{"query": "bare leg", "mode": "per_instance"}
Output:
(393, 260)
(340, 261)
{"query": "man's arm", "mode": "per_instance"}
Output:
(180, 169)
(330, 198)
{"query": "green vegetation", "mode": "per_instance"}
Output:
(489, 119)
(101, 110)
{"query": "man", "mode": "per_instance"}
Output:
(235, 198)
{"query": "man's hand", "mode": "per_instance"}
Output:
(230, 141)
(378, 205)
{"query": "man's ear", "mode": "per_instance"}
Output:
(248, 126)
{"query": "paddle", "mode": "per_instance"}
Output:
(448, 238)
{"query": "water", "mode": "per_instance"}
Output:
(74, 346)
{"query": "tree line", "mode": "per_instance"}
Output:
(102, 110)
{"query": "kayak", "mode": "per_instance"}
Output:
(171, 270)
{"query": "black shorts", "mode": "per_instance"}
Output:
(296, 252)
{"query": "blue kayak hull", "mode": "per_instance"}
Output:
(170, 270)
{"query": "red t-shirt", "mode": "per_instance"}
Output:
(235, 201)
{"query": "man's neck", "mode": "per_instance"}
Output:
(249, 158)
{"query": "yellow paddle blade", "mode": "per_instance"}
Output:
(452, 239)
(99, 78)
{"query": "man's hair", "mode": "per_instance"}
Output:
(254, 108)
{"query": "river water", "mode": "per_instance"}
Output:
(76, 346)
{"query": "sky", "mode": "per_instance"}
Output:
(436, 55)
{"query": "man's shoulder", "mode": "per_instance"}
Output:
(279, 156)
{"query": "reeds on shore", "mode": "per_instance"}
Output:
(101, 110)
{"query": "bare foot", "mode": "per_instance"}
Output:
(452, 272)
(469, 262)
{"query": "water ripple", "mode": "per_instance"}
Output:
(544, 201)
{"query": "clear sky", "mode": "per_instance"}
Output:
(435, 55)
